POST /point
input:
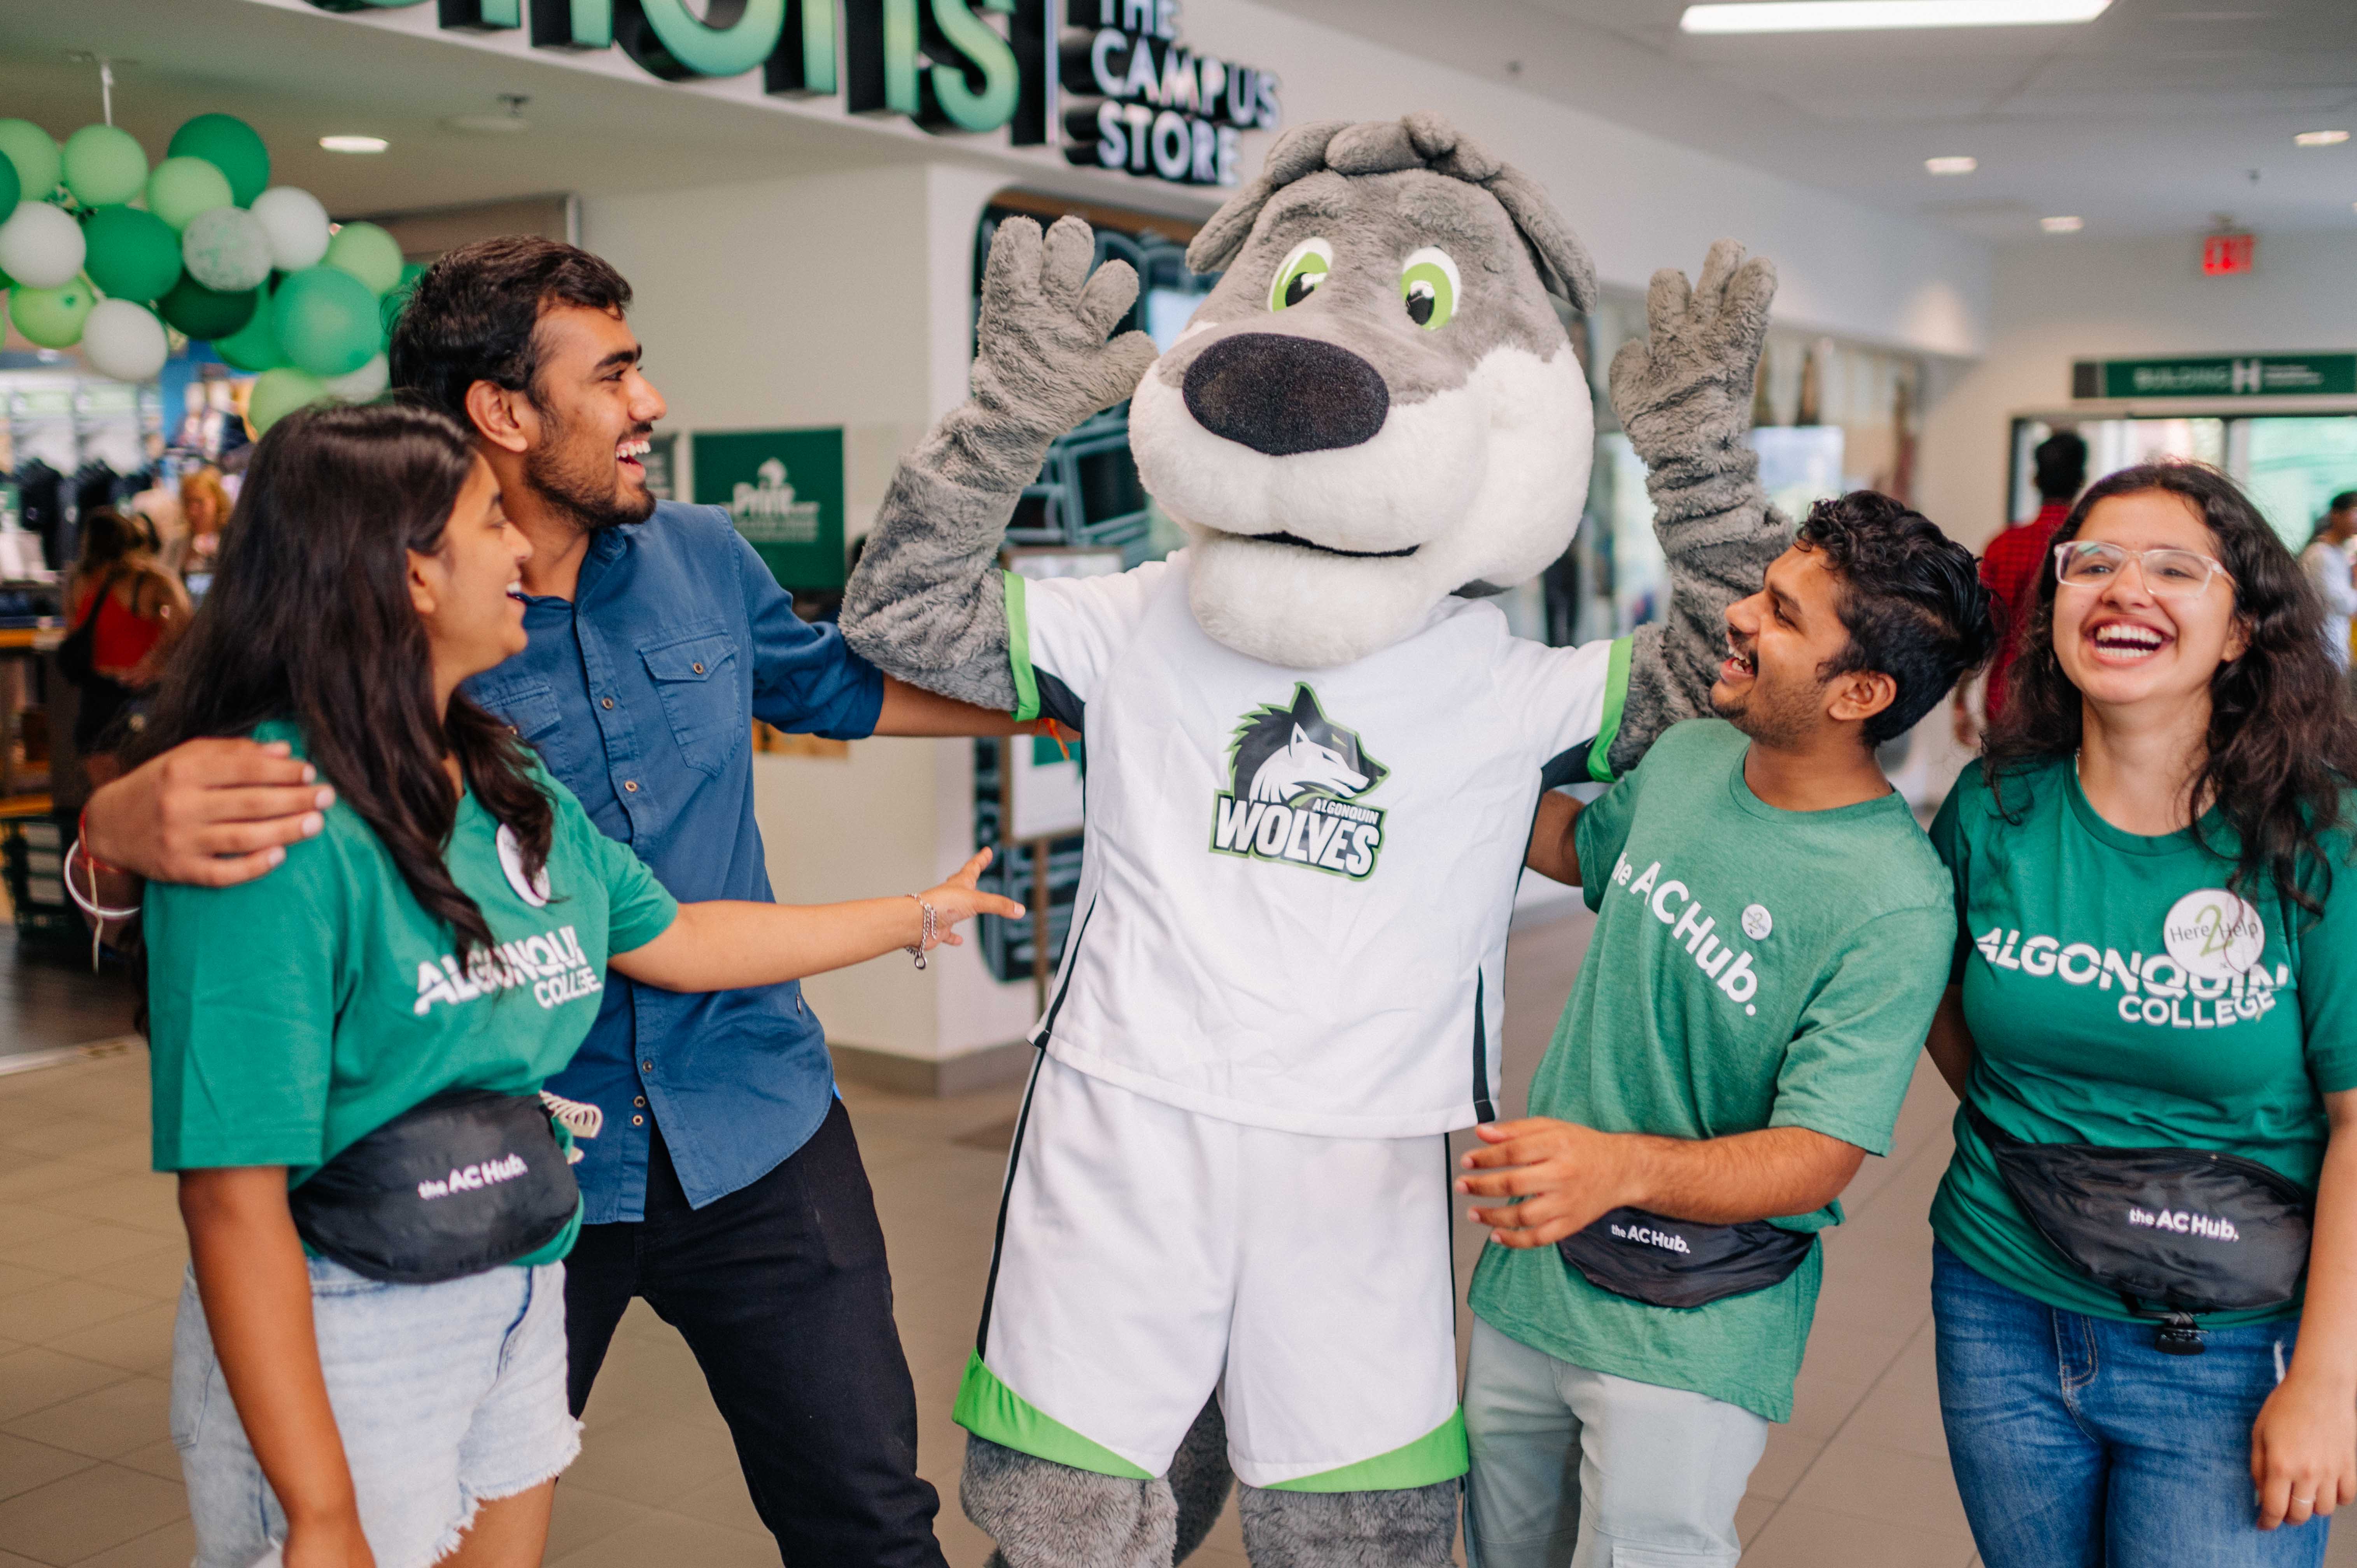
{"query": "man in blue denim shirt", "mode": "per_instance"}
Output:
(720, 1179)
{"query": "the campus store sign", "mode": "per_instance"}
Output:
(1144, 103)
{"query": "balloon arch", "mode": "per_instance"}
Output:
(101, 249)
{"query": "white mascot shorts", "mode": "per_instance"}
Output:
(1148, 1256)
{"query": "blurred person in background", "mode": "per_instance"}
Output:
(204, 509)
(128, 611)
(2012, 562)
(2328, 565)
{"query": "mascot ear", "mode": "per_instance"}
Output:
(1552, 244)
(1300, 151)
(1305, 708)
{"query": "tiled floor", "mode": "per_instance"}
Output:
(90, 1255)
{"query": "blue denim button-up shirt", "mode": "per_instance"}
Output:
(639, 694)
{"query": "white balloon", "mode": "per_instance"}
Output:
(298, 225)
(40, 247)
(227, 249)
(358, 386)
(124, 340)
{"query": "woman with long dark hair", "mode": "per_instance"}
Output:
(369, 1365)
(2153, 1029)
(128, 611)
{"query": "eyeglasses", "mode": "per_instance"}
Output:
(2167, 573)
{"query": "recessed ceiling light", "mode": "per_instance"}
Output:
(354, 144)
(1951, 166)
(2319, 138)
(2062, 225)
(1842, 15)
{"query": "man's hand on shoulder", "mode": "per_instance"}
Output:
(211, 813)
(1568, 1177)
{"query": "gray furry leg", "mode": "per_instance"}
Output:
(1199, 1478)
(1410, 1528)
(1045, 1515)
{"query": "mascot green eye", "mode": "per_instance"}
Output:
(1428, 287)
(1306, 266)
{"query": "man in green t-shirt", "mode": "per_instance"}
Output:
(1772, 934)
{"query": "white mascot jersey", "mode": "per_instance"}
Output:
(1298, 883)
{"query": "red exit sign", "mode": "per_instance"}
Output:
(2229, 256)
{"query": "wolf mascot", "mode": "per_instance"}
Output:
(1315, 754)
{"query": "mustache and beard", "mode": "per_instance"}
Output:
(1775, 716)
(581, 477)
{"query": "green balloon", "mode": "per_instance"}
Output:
(369, 253)
(53, 316)
(182, 188)
(279, 393)
(206, 314)
(253, 347)
(324, 318)
(133, 254)
(11, 188)
(230, 145)
(105, 166)
(34, 153)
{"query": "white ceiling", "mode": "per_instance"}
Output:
(2151, 119)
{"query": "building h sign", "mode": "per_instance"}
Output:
(1150, 106)
(2230, 376)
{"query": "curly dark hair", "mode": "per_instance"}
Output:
(1912, 600)
(473, 316)
(309, 619)
(2282, 743)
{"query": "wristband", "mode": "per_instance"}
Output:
(81, 837)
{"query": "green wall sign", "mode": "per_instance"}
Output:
(1143, 101)
(783, 489)
(2243, 375)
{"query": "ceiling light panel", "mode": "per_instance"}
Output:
(2062, 225)
(1952, 165)
(2319, 138)
(1860, 16)
(354, 144)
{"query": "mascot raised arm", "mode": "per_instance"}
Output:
(1315, 753)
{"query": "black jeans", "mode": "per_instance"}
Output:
(781, 1290)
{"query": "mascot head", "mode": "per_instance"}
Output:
(1377, 406)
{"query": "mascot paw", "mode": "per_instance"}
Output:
(1046, 1515)
(1694, 369)
(1410, 1528)
(1041, 361)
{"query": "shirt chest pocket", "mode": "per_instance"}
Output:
(529, 707)
(695, 676)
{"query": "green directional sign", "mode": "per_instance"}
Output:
(783, 489)
(2235, 375)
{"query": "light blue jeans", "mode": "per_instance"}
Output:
(2077, 1444)
(1579, 1467)
(446, 1396)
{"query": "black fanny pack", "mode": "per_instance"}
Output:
(467, 1181)
(1681, 1262)
(2173, 1231)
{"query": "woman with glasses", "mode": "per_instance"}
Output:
(2158, 954)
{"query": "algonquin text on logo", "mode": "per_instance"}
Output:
(1293, 774)
(552, 964)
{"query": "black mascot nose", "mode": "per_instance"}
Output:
(1281, 394)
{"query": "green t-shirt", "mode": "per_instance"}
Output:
(1751, 968)
(2118, 995)
(291, 1015)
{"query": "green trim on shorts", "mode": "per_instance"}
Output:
(989, 1408)
(1018, 651)
(1616, 696)
(1438, 1455)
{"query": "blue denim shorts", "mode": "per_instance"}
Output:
(446, 1396)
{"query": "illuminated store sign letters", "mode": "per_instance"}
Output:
(1148, 105)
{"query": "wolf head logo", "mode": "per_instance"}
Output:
(1282, 754)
